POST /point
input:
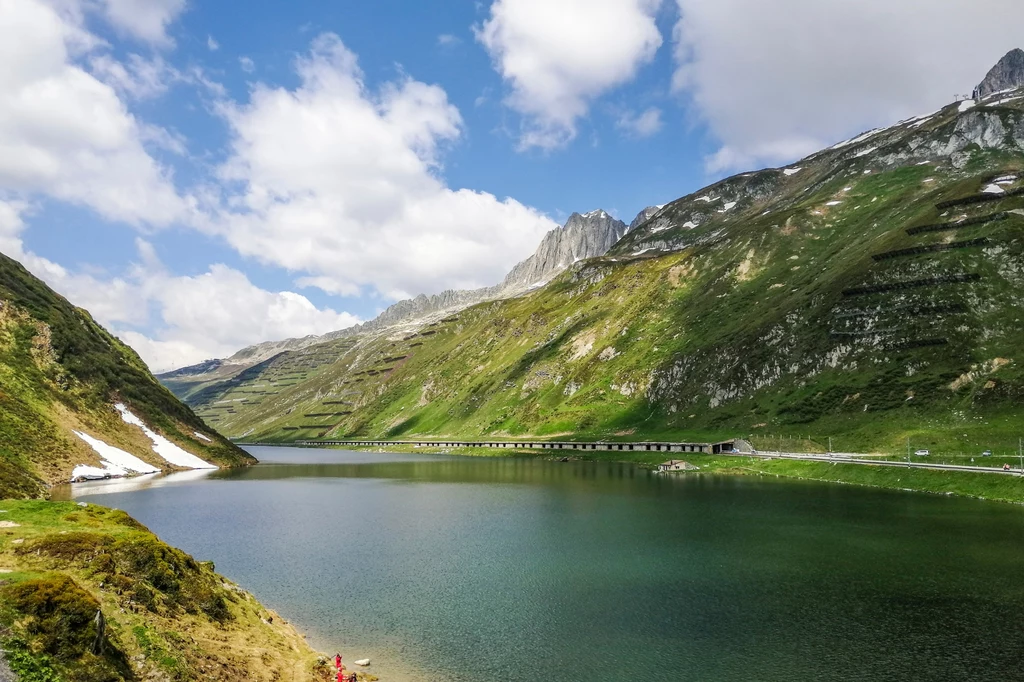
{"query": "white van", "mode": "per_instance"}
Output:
(921, 453)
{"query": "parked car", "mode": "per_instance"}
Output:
(922, 453)
(987, 453)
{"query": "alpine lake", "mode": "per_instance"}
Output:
(501, 569)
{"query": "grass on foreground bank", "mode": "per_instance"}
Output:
(997, 487)
(167, 616)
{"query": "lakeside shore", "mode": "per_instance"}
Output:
(165, 615)
(983, 486)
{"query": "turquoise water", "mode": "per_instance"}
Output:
(482, 570)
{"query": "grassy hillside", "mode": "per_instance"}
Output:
(166, 616)
(872, 293)
(62, 372)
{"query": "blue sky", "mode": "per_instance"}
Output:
(205, 175)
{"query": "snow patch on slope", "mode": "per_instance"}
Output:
(116, 462)
(858, 139)
(163, 447)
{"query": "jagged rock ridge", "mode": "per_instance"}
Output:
(1006, 75)
(644, 216)
(583, 236)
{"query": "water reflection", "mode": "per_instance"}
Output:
(481, 570)
(127, 485)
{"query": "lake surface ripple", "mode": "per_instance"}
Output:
(488, 570)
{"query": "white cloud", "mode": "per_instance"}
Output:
(448, 40)
(139, 77)
(11, 227)
(217, 313)
(340, 183)
(109, 300)
(247, 64)
(66, 134)
(643, 124)
(212, 44)
(143, 19)
(558, 55)
(192, 318)
(161, 138)
(136, 77)
(777, 80)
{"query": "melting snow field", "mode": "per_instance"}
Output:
(792, 171)
(202, 437)
(1002, 101)
(993, 189)
(857, 140)
(116, 462)
(163, 447)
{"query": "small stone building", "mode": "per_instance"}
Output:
(677, 465)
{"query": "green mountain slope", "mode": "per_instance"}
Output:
(165, 616)
(871, 292)
(60, 372)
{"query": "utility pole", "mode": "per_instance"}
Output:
(830, 445)
(908, 449)
(1020, 452)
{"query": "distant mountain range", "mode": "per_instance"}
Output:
(869, 292)
(583, 236)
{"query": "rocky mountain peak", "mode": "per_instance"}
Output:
(643, 216)
(583, 236)
(1006, 75)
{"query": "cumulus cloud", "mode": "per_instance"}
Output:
(333, 180)
(11, 226)
(218, 312)
(188, 318)
(559, 55)
(777, 80)
(66, 134)
(247, 64)
(643, 124)
(341, 183)
(145, 20)
(109, 300)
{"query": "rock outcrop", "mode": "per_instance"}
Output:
(583, 236)
(643, 216)
(1006, 75)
